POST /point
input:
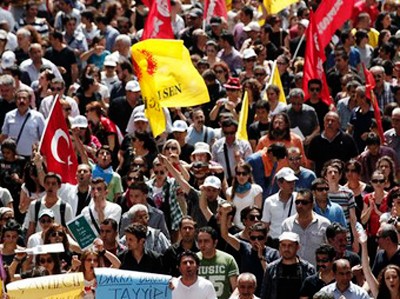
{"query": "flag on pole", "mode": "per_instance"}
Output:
(158, 22)
(57, 147)
(276, 80)
(275, 6)
(167, 78)
(313, 64)
(369, 91)
(215, 8)
(242, 127)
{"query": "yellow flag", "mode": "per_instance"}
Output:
(276, 80)
(242, 128)
(167, 78)
(275, 6)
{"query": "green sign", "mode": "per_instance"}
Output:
(82, 231)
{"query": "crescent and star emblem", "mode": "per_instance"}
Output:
(54, 146)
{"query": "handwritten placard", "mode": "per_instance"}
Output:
(61, 286)
(120, 284)
(82, 231)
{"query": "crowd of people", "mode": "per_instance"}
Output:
(307, 207)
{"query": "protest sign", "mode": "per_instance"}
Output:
(61, 286)
(82, 231)
(43, 248)
(119, 284)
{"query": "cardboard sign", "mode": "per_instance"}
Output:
(82, 231)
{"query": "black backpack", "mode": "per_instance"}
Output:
(62, 212)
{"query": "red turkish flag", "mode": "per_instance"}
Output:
(330, 16)
(57, 147)
(313, 64)
(215, 8)
(158, 22)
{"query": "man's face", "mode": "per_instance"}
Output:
(83, 174)
(230, 134)
(137, 196)
(107, 234)
(188, 267)
(246, 289)
(99, 191)
(339, 242)
(379, 77)
(294, 160)
(104, 158)
(288, 249)
(303, 204)
(187, 230)
(45, 222)
(23, 41)
(198, 118)
(36, 54)
(141, 217)
(206, 244)
(132, 242)
(7, 91)
(262, 115)
(314, 90)
(332, 175)
(321, 192)
(257, 240)
(180, 137)
(323, 263)
(297, 103)
(51, 186)
(211, 193)
(343, 275)
(396, 122)
(279, 125)
(22, 101)
(373, 149)
(286, 186)
(253, 217)
(331, 123)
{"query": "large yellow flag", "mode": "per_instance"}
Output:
(242, 127)
(275, 6)
(167, 78)
(276, 80)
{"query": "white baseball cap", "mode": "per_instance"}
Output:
(79, 122)
(133, 86)
(179, 126)
(212, 181)
(252, 26)
(289, 236)
(287, 174)
(7, 59)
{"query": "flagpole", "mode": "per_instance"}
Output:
(47, 121)
(298, 47)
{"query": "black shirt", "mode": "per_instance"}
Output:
(64, 58)
(312, 285)
(289, 281)
(170, 258)
(151, 262)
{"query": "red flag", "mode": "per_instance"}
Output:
(57, 147)
(330, 16)
(313, 65)
(158, 23)
(369, 91)
(215, 8)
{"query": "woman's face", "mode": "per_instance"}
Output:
(211, 51)
(384, 167)
(91, 262)
(57, 236)
(10, 237)
(160, 172)
(171, 148)
(220, 73)
(242, 175)
(47, 261)
(8, 154)
(387, 21)
(351, 173)
(378, 181)
(392, 280)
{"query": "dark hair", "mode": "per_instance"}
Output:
(355, 163)
(30, 184)
(56, 227)
(88, 14)
(57, 35)
(228, 37)
(394, 191)
(99, 180)
(328, 250)
(278, 150)
(338, 164)
(138, 230)
(337, 262)
(112, 222)
(271, 126)
(391, 178)
(148, 141)
(262, 104)
(11, 225)
(248, 11)
(56, 259)
(334, 229)
(372, 139)
(318, 181)
(306, 192)
(314, 81)
(188, 253)
(345, 35)
(389, 230)
(260, 227)
(247, 167)
(53, 175)
(141, 186)
(103, 148)
(9, 144)
(187, 217)
(209, 230)
(229, 122)
(383, 291)
(247, 210)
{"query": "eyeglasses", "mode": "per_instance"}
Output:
(351, 170)
(56, 88)
(55, 234)
(159, 172)
(173, 148)
(229, 132)
(295, 159)
(320, 189)
(253, 217)
(317, 89)
(46, 261)
(43, 221)
(281, 63)
(242, 173)
(259, 238)
(302, 202)
(376, 181)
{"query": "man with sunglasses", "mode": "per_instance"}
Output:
(307, 224)
(315, 100)
(323, 206)
(254, 256)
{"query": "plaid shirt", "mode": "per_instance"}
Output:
(385, 97)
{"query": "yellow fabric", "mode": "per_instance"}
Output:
(373, 36)
(167, 78)
(228, 5)
(276, 80)
(275, 6)
(242, 128)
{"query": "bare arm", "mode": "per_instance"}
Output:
(204, 206)
(371, 280)
(231, 240)
(233, 282)
(175, 173)
(366, 213)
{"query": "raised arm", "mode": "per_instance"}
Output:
(230, 239)
(371, 280)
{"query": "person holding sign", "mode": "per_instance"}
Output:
(189, 282)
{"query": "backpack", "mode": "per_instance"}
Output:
(62, 212)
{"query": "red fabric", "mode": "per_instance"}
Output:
(330, 16)
(314, 58)
(158, 23)
(57, 147)
(373, 222)
(360, 7)
(369, 86)
(108, 125)
(215, 8)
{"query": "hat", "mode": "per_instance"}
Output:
(46, 212)
(289, 236)
(79, 121)
(212, 181)
(139, 116)
(132, 86)
(3, 34)
(196, 12)
(233, 83)
(249, 53)
(7, 59)
(215, 21)
(110, 62)
(201, 148)
(304, 23)
(179, 126)
(252, 26)
(287, 174)
(4, 210)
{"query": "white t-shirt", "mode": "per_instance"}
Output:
(203, 289)
(111, 210)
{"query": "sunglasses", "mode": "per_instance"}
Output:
(55, 234)
(219, 71)
(302, 202)
(242, 173)
(43, 221)
(376, 181)
(315, 89)
(229, 133)
(259, 238)
(259, 74)
(253, 217)
(46, 261)
(320, 189)
(130, 178)
(56, 88)
(322, 260)
(395, 196)
(159, 172)
(173, 148)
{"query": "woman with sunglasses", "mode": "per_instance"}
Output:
(387, 166)
(221, 70)
(374, 206)
(243, 192)
(50, 261)
(171, 149)
(56, 233)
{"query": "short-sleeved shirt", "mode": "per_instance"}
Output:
(353, 292)
(312, 285)
(219, 270)
(333, 212)
(306, 119)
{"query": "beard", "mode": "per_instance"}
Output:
(278, 133)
